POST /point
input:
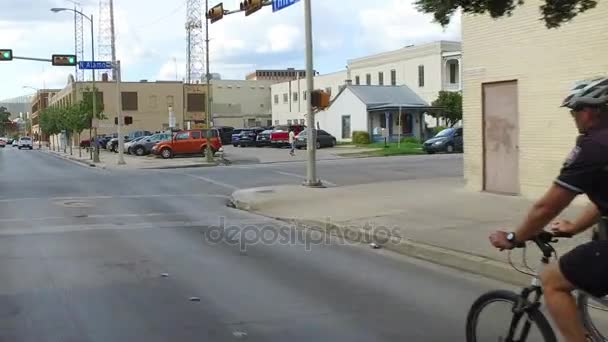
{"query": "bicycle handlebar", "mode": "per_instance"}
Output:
(544, 240)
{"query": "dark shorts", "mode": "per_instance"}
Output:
(586, 267)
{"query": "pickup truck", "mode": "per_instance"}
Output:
(188, 142)
(280, 135)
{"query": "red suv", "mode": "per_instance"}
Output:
(188, 142)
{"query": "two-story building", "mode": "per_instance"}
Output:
(426, 69)
(40, 102)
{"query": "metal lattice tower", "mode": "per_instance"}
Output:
(106, 40)
(78, 39)
(194, 49)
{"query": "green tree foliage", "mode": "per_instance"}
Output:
(553, 12)
(450, 107)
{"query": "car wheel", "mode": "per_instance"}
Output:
(31, 148)
(449, 149)
(235, 145)
(166, 153)
(140, 151)
(430, 152)
(333, 143)
(318, 145)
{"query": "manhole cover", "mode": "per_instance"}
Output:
(74, 204)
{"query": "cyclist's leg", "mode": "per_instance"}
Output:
(561, 304)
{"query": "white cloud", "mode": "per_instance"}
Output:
(173, 69)
(48, 78)
(281, 38)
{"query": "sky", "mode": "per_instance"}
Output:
(151, 37)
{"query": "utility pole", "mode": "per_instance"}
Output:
(311, 167)
(208, 151)
(121, 138)
(93, 139)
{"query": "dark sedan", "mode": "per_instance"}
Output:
(144, 146)
(263, 138)
(448, 140)
(249, 136)
(236, 136)
(324, 139)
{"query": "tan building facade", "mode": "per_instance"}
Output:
(241, 103)
(40, 101)
(276, 75)
(516, 73)
(148, 103)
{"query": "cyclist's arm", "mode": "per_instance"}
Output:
(585, 220)
(543, 211)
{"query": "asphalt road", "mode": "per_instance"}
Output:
(83, 252)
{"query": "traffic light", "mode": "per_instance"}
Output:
(6, 55)
(64, 60)
(320, 99)
(251, 6)
(216, 13)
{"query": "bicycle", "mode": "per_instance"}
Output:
(525, 306)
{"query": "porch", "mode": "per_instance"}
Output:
(394, 124)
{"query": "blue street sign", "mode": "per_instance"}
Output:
(87, 65)
(278, 5)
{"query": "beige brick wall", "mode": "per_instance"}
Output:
(545, 63)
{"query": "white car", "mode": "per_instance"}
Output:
(25, 142)
(15, 143)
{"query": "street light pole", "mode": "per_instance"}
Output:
(94, 91)
(121, 138)
(311, 169)
(208, 151)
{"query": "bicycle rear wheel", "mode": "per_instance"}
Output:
(594, 314)
(491, 317)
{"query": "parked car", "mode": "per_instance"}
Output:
(324, 139)
(225, 133)
(25, 142)
(137, 134)
(249, 136)
(448, 140)
(236, 135)
(188, 142)
(144, 146)
(280, 135)
(127, 145)
(2, 143)
(112, 145)
(15, 143)
(263, 138)
(103, 142)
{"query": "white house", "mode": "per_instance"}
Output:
(382, 111)
(426, 69)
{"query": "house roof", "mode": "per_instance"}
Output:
(382, 97)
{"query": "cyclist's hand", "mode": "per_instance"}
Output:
(499, 240)
(562, 226)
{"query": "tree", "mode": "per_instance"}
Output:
(450, 107)
(554, 12)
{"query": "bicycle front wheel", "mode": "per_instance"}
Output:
(594, 313)
(491, 319)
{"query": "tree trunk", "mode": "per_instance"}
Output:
(79, 147)
(90, 145)
(71, 144)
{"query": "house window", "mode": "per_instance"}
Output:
(276, 122)
(129, 100)
(302, 122)
(250, 122)
(393, 77)
(276, 99)
(153, 102)
(357, 80)
(196, 102)
(295, 97)
(421, 75)
(453, 73)
(380, 78)
(289, 122)
(305, 94)
(346, 134)
(368, 79)
(170, 101)
(285, 98)
(382, 121)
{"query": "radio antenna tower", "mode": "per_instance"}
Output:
(106, 40)
(194, 49)
(78, 39)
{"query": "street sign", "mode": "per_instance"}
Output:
(88, 65)
(278, 5)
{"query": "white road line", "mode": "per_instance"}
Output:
(209, 180)
(74, 198)
(303, 177)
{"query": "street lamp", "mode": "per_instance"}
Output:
(94, 92)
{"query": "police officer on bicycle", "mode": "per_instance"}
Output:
(585, 171)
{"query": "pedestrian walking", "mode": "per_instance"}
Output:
(292, 142)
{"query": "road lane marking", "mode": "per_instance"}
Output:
(304, 177)
(208, 180)
(75, 198)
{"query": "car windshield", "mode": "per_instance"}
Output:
(237, 131)
(446, 132)
(25, 139)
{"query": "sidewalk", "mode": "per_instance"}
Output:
(109, 160)
(436, 220)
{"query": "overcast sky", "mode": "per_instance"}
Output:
(151, 39)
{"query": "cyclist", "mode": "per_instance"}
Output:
(585, 171)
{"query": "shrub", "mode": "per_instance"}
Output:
(411, 140)
(361, 138)
(438, 129)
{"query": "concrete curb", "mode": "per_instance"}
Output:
(178, 166)
(73, 159)
(443, 256)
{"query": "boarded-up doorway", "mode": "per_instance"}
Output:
(501, 137)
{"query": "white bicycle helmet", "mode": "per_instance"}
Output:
(588, 93)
